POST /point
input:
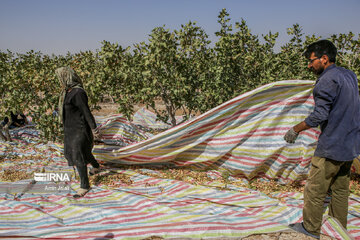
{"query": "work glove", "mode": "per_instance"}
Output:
(291, 136)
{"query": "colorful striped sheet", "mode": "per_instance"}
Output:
(146, 118)
(116, 130)
(243, 136)
(155, 207)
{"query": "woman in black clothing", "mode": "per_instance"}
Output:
(79, 127)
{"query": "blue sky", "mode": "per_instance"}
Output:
(61, 26)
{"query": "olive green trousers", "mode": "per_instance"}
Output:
(326, 174)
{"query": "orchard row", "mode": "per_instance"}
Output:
(181, 68)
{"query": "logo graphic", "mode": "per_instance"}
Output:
(52, 177)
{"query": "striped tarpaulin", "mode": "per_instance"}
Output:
(243, 136)
(151, 206)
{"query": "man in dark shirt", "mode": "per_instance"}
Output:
(337, 111)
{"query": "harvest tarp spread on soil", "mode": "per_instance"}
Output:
(244, 136)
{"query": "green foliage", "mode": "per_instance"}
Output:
(118, 76)
(348, 51)
(179, 69)
(171, 64)
(243, 62)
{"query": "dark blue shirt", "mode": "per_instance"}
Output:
(337, 111)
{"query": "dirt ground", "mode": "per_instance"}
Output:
(285, 236)
(107, 109)
(111, 108)
(269, 236)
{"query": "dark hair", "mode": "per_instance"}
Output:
(320, 48)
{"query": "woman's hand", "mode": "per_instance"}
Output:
(96, 134)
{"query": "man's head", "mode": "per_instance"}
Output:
(321, 54)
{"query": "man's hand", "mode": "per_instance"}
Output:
(291, 136)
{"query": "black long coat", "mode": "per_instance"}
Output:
(78, 122)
